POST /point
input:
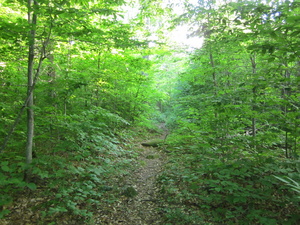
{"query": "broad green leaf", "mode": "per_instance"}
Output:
(31, 186)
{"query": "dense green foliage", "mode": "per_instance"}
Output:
(232, 108)
(91, 84)
(236, 126)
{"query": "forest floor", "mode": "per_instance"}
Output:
(136, 201)
(141, 204)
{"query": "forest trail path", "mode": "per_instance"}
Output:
(140, 205)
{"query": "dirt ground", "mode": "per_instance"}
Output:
(142, 206)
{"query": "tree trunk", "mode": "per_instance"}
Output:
(285, 93)
(212, 63)
(32, 19)
(254, 92)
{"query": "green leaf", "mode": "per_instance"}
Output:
(5, 168)
(31, 186)
(218, 189)
(4, 212)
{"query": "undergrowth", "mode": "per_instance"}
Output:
(202, 186)
(75, 178)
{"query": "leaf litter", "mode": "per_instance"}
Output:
(140, 203)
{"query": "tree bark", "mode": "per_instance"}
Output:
(32, 20)
(212, 63)
(254, 93)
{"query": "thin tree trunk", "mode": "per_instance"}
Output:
(254, 93)
(32, 19)
(285, 93)
(286, 145)
(212, 63)
(65, 106)
(30, 90)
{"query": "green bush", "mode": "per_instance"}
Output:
(231, 191)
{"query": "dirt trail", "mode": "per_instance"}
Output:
(143, 207)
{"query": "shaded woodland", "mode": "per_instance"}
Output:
(83, 84)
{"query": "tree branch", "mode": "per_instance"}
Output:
(36, 76)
